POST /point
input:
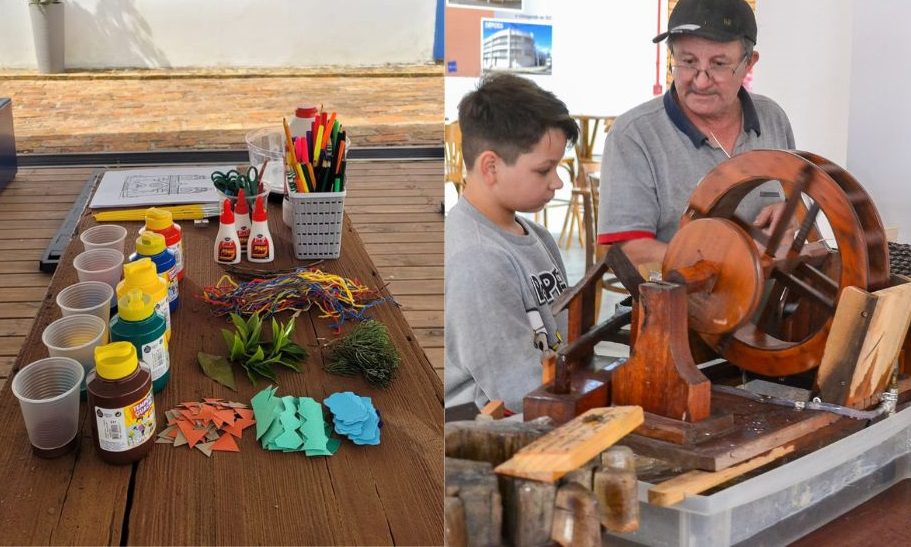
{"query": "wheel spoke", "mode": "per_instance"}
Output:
(790, 208)
(801, 287)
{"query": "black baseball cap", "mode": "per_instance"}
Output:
(716, 20)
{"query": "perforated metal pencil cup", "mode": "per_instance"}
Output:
(48, 393)
(316, 224)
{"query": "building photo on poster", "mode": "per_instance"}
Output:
(511, 46)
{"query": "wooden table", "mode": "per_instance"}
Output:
(383, 494)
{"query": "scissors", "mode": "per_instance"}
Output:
(232, 182)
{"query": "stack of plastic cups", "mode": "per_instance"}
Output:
(76, 337)
(48, 393)
(103, 265)
(88, 298)
(104, 236)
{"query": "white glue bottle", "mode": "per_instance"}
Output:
(227, 245)
(304, 116)
(260, 247)
(242, 219)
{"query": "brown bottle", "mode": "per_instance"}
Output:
(617, 490)
(120, 398)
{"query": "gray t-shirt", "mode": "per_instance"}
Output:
(654, 158)
(497, 294)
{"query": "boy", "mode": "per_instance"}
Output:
(502, 271)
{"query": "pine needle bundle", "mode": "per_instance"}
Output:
(368, 350)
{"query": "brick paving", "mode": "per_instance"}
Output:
(104, 111)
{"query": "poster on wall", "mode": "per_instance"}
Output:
(513, 46)
(499, 5)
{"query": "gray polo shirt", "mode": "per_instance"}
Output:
(654, 158)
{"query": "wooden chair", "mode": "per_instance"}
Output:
(586, 167)
(455, 165)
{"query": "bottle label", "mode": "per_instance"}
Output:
(259, 247)
(177, 248)
(173, 286)
(121, 429)
(155, 356)
(243, 234)
(227, 251)
(163, 309)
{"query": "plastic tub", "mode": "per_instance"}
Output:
(268, 144)
(785, 503)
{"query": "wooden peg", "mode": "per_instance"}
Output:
(576, 521)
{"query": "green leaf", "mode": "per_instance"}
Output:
(292, 364)
(240, 325)
(217, 368)
(257, 356)
(295, 350)
(229, 337)
(265, 371)
(237, 349)
(256, 327)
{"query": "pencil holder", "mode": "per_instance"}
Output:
(316, 224)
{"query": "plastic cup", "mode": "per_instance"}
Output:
(76, 336)
(104, 236)
(105, 265)
(268, 143)
(87, 297)
(48, 393)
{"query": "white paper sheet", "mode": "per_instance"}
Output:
(157, 186)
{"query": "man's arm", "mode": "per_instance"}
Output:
(644, 251)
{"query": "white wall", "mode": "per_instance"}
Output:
(804, 58)
(879, 121)
(603, 57)
(244, 33)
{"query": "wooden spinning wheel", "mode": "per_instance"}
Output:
(744, 284)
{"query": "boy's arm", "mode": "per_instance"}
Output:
(487, 330)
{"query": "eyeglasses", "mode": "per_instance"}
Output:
(716, 72)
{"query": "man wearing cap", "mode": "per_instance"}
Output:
(656, 153)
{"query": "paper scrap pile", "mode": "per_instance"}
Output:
(355, 417)
(292, 424)
(203, 425)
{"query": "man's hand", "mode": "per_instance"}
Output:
(769, 217)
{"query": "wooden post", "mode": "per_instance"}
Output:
(481, 501)
(660, 375)
(576, 522)
(455, 533)
(528, 510)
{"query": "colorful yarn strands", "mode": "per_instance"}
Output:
(337, 298)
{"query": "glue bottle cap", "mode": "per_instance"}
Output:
(115, 360)
(158, 219)
(259, 211)
(241, 206)
(135, 306)
(227, 215)
(306, 112)
(150, 243)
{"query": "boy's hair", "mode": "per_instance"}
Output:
(509, 114)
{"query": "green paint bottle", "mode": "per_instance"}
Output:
(137, 323)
